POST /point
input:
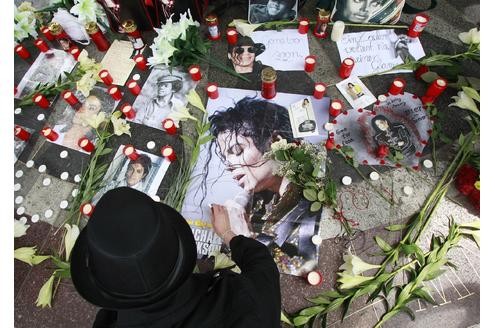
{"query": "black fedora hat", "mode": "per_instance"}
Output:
(258, 48)
(133, 252)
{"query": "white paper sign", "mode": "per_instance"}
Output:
(378, 51)
(285, 50)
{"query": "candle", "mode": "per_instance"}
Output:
(169, 126)
(268, 79)
(337, 31)
(314, 278)
(75, 52)
(434, 90)
(320, 30)
(86, 209)
(105, 77)
(212, 90)
(128, 111)
(22, 52)
(97, 36)
(41, 101)
(397, 86)
(336, 107)
(133, 34)
(46, 32)
(21, 133)
(59, 34)
(309, 63)
(319, 91)
(231, 35)
(70, 98)
(168, 153)
(133, 87)
(131, 152)
(303, 25)
(141, 62)
(85, 144)
(194, 72)
(114, 91)
(330, 143)
(212, 22)
(346, 68)
(41, 45)
(418, 25)
(49, 134)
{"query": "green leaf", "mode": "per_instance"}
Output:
(281, 155)
(299, 155)
(187, 140)
(310, 194)
(301, 320)
(106, 151)
(311, 184)
(423, 294)
(62, 273)
(319, 300)
(434, 274)
(315, 206)
(461, 139)
(284, 318)
(206, 139)
(409, 312)
(321, 196)
(383, 244)
(396, 227)
(59, 263)
(311, 311)
(429, 77)
(471, 93)
(332, 294)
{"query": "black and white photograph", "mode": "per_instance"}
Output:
(47, 67)
(165, 91)
(302, 119)
(355, 92)
(261, 11)
(243, 55)
(144, 173)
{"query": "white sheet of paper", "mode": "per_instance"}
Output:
(285, 50)
(118, 61)
(374, 51)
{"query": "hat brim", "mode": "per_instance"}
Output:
(85, 284)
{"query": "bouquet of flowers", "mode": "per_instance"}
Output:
(24, 22)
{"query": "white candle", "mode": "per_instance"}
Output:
(337, 31)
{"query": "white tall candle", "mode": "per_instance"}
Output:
(337, 31)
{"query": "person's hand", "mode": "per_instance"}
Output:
(221, 224)
(238, 218)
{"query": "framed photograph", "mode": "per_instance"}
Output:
(302, 119)
(261, 11)
(355, 92)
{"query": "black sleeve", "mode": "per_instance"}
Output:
(105, 319)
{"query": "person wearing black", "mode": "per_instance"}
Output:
(135, 259)
(394, 135)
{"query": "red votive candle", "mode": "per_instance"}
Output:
(309, 63)
(418, 25)
(49, 134)
(314, 278)
(87, 209)
(434, 90)
(21, 51)
(46, 32)
(86, 144)
(194, 72)
(97, 36)
(131, 152)
(168, 153)
(21, 133)
(303, 25)
(268, 80)
(133, 87)
(41, 45)
(397, 86)
(169, 126)
(420, 71)
(75, 52)
(232, 35)
(128, 111)
(336, 107)
(346, 68)
(105, 77)
(114, 91)
(70, 98)
(41, 101)
(319, 91)
(212, 90)
(141, 62)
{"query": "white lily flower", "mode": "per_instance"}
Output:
(349, 281)
(182, 114)
(27, 255)
(86, 10)
(20, 228)
(23, 13)
(353, 265)
(120, 126)
(462, 100)
(162, 51)
(86, 83)
(185, 21)
(470, 37)
(45, 295)
(94, 120)
(70, 238)
(194, 99)
(243, 27)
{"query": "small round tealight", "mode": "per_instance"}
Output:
(374, 176)
(23, 220)
(18, 110)
(64, 204)
(64, 154)
(382, 98)
(19, 199)
(316, 239)
(328, 126)
(427, 163)
(35, 218)
(408, 190)
(156, 198)
(42, 168)
(136, 77)
(17, 187)
(150, 145)
(46, 181)
(19, 173)
(64, 175)
(75, 192)
(347, 180)
(314, 278)
(40, 117)
(48, 213)
(30, 164)
(20, 210)
(77, 178)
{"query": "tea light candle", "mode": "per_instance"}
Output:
(46, 32)
(128, 111)
(319, 91)
(169, 126)
(212, 90)
(21, 133)
(309, 63)
(75, 52)
(87, 209)
(346, 68)
(21, 51)
(70, 98)
(131, 152)
(168, 153)
(418, 25)
(232, 35)
(337, 31)
(85, 144)
(134, 87)
(397, 86)
(41, 101)
(314, 278)
(303, 25)
(336, 107)
(49, 134)
(436, 87)
(114, 91)
(105, 77)
(41, 45)
(194, 72)
(141, 62)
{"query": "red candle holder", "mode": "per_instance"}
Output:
(418, 25)
(46, 32)
(75, 52)
(213, 32)
(319, 90)
(130, 152)
(303, 27)
(21, 133)
(321, 27)
(86, 144)
(49, 134)
(41, 45)
(128, 111)
(397, 86)
(106, 77)
(97, 36)
(41, 101)
(168, 153)
(212, 90)
(169, 126)
(141, 62)
(336, 107)
(195, 72)
(314, 278)
(346, 68)
(22, 52)
(232, 35)
(434, 90)
(268, 80)
(309, 63)
(114, 91)
(330, 143)
(133, 87)
(87, 209)
(70, 98)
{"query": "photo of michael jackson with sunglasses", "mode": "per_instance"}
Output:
(243, 55)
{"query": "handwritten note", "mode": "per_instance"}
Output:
(285, 50)
(377, 51)
(118, 61)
